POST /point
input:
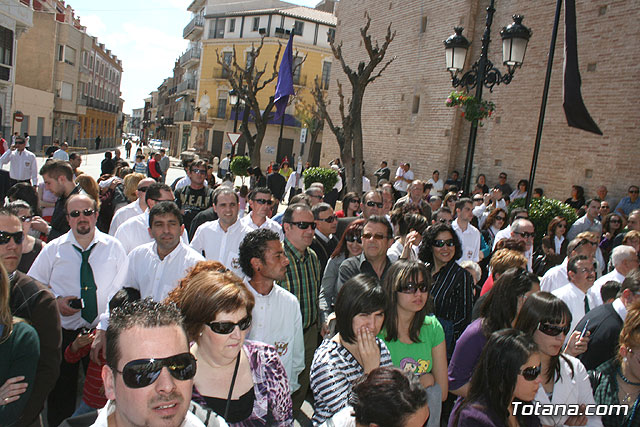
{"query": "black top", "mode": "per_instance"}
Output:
(382, 173)
(28, 258)
(204, 216)
(276, 183)
(51, 150)
(108, 166)
(59, 223)
(323, 249)
(605, 325)
(192, 202)
(239, 410)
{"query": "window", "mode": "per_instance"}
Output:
(298, 26)
(416, 104)
(423, 24)
(91, 62)
(226, 58)
(66, 91)
(331, 34)
(222, 108)
(87, 89)
(297, 68)
(6, 46)
(256, 23)
(60, 53)
(232, 25)
(69, 55)
(326, 75)
(220, 23)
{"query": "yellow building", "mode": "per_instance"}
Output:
(217, 30)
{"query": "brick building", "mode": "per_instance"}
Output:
(405, 119)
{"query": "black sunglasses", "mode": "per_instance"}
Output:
(85, 212)
(329, 219)
(355, 201)
(263, 201)
(225, 328)
(353, 238)
(441, 243)
(303, 225)
(143, 189)
(525, 234)
(412, 288)
(531, 373)
(5, 237)
(199, 171)
(143, 372)
(376, 204)
(553, 330)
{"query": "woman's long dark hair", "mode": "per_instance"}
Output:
(491, 219)
(496, 374)
(346, 201)
(401, 272)
(425, 253)
(606, 223)
(543, 307)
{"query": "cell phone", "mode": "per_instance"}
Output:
(584, 330)
(85, 331)
(77, 303)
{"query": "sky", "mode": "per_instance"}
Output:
(147, 40)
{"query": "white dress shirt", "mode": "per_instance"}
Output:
(23, 165)
(154, 277)
(123, 214)
(555, 278)
(505, 233)
(594, 291)
(470, 241)
(574, 298)
(218, 245)
(58, 266)
(269, 224)
(60, 154)
(135, 232)
(277, 321)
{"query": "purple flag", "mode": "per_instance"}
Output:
(574, 109)
(284, 88)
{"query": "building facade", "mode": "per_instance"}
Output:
(405, 118)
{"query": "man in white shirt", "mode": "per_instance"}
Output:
(624, 259)
(134, 208)
(61, 153)
(404, 176)
(581, 275)
(23, 167)
(276, 315)
(135, 231)
(557, 277)
(260, 203)
(505, 233)
(83, 268)
(469, 235)
(219, 240)
(156, 268)
(224, 165)
(524, 231)
(588, 222)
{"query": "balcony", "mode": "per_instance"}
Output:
(183, 116)
(194, 28)
(187, 86)
(191, 56)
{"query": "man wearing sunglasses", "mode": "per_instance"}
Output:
(524, 231)
(24, 167)
(505, 233)
(627, 204)
(556, 277)
(30, 300)
(134, 208)
(324, 241)
(260, 203)
(135, 231)
(83, 268)
(148, 377)
(58, 178)
(588, 222)
(372, 204)
(195, 197)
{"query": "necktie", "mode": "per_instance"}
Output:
(586, 305)
(87, 286)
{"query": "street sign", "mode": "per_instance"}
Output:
(303, 135)
(233, 137)
(18, 116)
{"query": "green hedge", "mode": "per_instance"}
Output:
(239, 165)
(542, 211)
(328, 177)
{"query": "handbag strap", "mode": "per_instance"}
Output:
(233, 381)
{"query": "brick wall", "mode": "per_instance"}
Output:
(436, 137)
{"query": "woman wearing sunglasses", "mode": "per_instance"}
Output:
(496, 221)
(353, 351)
(612, 225)
(243, 381)
(350, 245)
(499, 310)
(350, 205)
(547, 320)
(554, 243)
(415, 340)
(452, 289)
(508, 371)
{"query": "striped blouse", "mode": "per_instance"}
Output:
(452, 293)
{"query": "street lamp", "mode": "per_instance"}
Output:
(233, 100)
(483, 73)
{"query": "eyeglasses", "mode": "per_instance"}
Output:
(143, 189)
(353, 238)
(225, 328)
(633, 191)
(376, 204)
(615, 221)
(500, 218)
(317, 196)
(586, 270)
(303, 225)
(525, 234)
(26, 218)
(263, 201)
(531, 373)
(143, 372)
(553, 330)
(85, 212)
(412, 288)
(444, 221)
(440, 243)
(5, 237)
(355, 201)
(377, 236)
(199, 171)
(329, 219)
(502, 177)
(561, 226)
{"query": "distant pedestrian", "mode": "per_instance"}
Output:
(127, 148)
(98, 140)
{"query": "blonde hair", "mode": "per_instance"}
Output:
(504, 259)
(630, 333)
(6, 319)
(631, 235)
(131, 182)
(90, 186)
(590, 236)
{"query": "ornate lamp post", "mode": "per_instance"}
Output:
(483, 73)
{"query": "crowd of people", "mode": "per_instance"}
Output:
(408, 305)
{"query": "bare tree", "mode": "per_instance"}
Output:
(312, 118)
(248, 81)
(349, 133)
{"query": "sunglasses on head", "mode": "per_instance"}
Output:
(5, 237)
(353, 238)
(225, 328)
(263, 201)
(303, 225)
(376, 204)
(85, 212)
(531, 373)
(329, 219)
(553, 330)
(412, 288)
(441, 243)
(143, 372)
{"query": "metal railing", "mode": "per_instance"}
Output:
(196, 23)
(193, 53)
(187, 85)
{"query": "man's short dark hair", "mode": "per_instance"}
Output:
(370, 193)
(165, 208)
(155, 190)
(437, 213)
(162, 150)
(514, 213)
(572, 265)
(223, 190)
(254, 245)
(287, 217)
(595, 199)
(56, 168)
(609, 290)
(319, 208)
(462, 202)
(576, 243)
(379, 219)
(145, 313)
(360, 294)
(633, 186)
(263, 190)
(196, 163)
(73, 156)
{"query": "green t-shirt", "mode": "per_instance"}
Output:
(416, 357)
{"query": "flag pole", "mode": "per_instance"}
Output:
(543, 104)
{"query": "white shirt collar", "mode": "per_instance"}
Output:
(619, 307)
